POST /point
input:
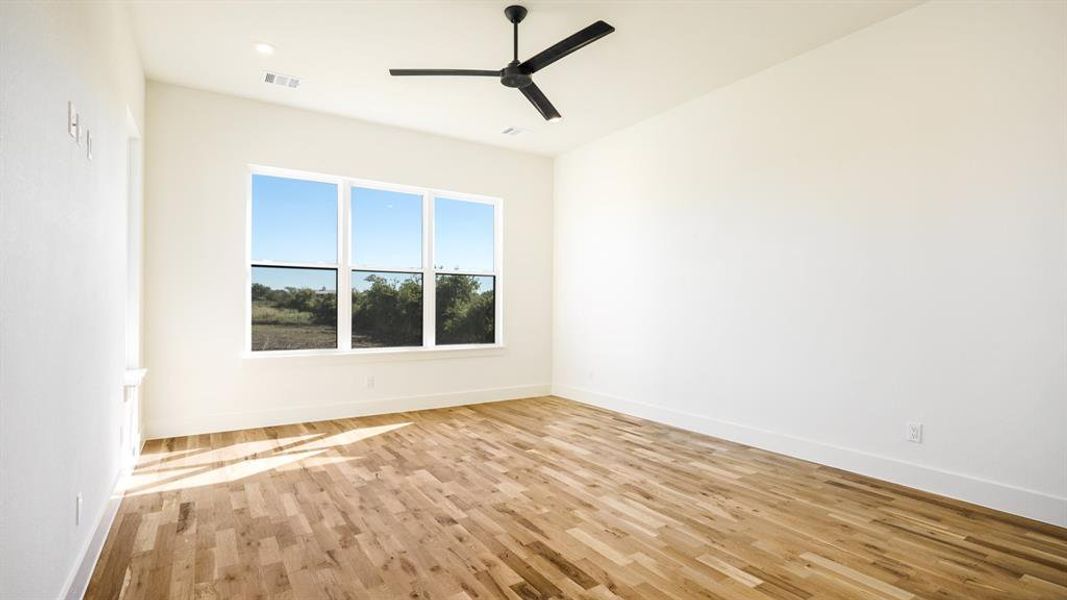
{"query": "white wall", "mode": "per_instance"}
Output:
(62, 282)
(868, 234)
(199, 146)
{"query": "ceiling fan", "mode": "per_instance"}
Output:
(516, 74)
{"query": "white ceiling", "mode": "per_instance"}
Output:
(661, 54)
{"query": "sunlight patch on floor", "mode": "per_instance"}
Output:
(188, 468)
(173, 480)
(351, 436)
(237, 451)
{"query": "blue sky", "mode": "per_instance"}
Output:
(294, 220)
(464, 232)
(283, 277)
(386, 229)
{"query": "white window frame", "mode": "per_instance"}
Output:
(344, 265)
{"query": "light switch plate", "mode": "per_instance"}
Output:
(72, 120)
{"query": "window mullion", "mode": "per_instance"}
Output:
(429, 284)
(344, 272)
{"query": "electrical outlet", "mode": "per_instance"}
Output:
(914, 433)
(370, 382)
(78, 509)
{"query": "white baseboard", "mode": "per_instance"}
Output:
(1019, 501)
(232, 421)
(78, 580)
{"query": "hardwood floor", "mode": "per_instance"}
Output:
(544, 498)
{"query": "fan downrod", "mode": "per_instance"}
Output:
(511, 75)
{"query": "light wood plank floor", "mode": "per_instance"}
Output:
(544, 498)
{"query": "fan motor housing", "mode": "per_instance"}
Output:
(512, 76)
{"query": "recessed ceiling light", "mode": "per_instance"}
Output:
(264, 48)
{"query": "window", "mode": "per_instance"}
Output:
(422, 267)
(294, 264)
(464, 245)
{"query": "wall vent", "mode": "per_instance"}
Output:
(513, 131)
(287, 81)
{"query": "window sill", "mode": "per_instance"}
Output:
(385, 354)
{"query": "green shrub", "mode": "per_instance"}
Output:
(264, 313)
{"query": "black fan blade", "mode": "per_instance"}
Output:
(557, 51)
(538, 99)
(460, 72)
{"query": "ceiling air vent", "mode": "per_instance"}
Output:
(513, 131)
(287, 81)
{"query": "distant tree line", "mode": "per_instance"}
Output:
(292, 306)
(465, 314)
(388, 312)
